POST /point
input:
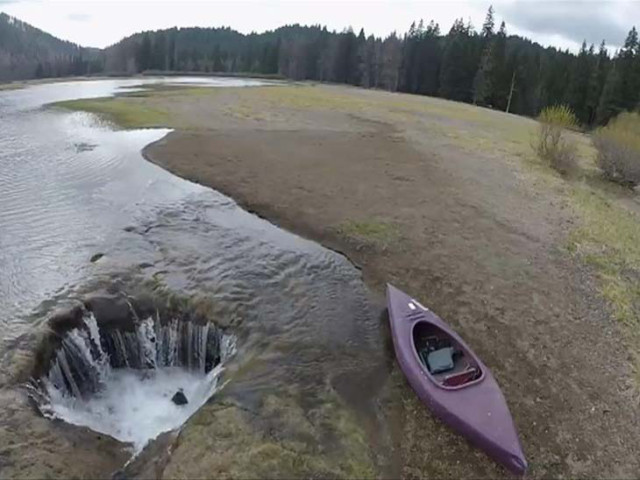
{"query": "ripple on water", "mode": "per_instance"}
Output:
(60, 204)
(300, 311)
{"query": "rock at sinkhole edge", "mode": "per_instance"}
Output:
(179, 398)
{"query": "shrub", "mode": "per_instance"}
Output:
(618, 146)
(551, 143)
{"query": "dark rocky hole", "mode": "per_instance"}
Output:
(113, 360)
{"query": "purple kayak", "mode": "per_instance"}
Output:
(452, 381)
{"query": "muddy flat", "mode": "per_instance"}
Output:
(447, 202)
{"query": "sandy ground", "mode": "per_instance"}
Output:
(444, 201)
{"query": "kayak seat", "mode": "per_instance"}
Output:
(439, 361)
(461, 378)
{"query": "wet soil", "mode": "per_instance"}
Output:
(33, 448)
(469, 229)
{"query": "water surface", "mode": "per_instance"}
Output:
(71, 188)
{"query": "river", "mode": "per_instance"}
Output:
(73, 190)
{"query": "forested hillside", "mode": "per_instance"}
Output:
(27, 52)
(486, 67)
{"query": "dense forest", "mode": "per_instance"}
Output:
(27, 52)
(486, 67)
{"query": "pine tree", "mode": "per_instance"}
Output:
(390, 57)
(172, 51)
(370, 65)
(596, 83)
(409, 68)
(429, 59)
(346, 58)
(143, 53)
(610, 100)
(526, 95)
(499, 78)
(158, 46)
(622, 88)
(359, 62)
(488, 25)
(630, 71)
(482, 79)
(451, 68)
(579, 83)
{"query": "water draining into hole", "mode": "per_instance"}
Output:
(121, 382)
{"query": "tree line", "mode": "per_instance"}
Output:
(488, 67)
(27, 52)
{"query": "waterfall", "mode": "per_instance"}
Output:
(148, 345)
(121, 381)
(80, 365)
(87, 355)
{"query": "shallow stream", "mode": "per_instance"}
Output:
(80, 210)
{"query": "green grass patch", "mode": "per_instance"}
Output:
(609, 240)
(308, 98)
(11, 86)
(121, 111)
(166, 90)
(369, 232)
(606, 238)
(279, 440)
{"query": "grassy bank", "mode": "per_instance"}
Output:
(147, 106)
(368, 232)
(608, 239)
(225, 442)
(605, 237)
(11, 86)
(173, 73)
(120, 112)
(538, 271)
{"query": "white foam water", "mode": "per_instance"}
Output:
(133, 403)
(135, 406)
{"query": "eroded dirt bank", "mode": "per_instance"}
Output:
(441, 200)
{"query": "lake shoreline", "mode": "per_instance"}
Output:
(440, 199)
(163, 232)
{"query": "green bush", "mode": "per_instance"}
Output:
(551, 142)
(618, 146)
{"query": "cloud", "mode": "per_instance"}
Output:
(562, 23)
(79, 17)
(575, 20)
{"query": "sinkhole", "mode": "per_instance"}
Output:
(131, 369)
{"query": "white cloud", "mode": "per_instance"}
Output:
(79, 17)
(102, 22)
(574, 20)
(112, 20)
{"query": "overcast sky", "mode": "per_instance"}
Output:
(99, 23)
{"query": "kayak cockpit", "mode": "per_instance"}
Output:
(449, 364)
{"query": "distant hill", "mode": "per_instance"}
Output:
(27, 52)
(179, 49)
(487, 67)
